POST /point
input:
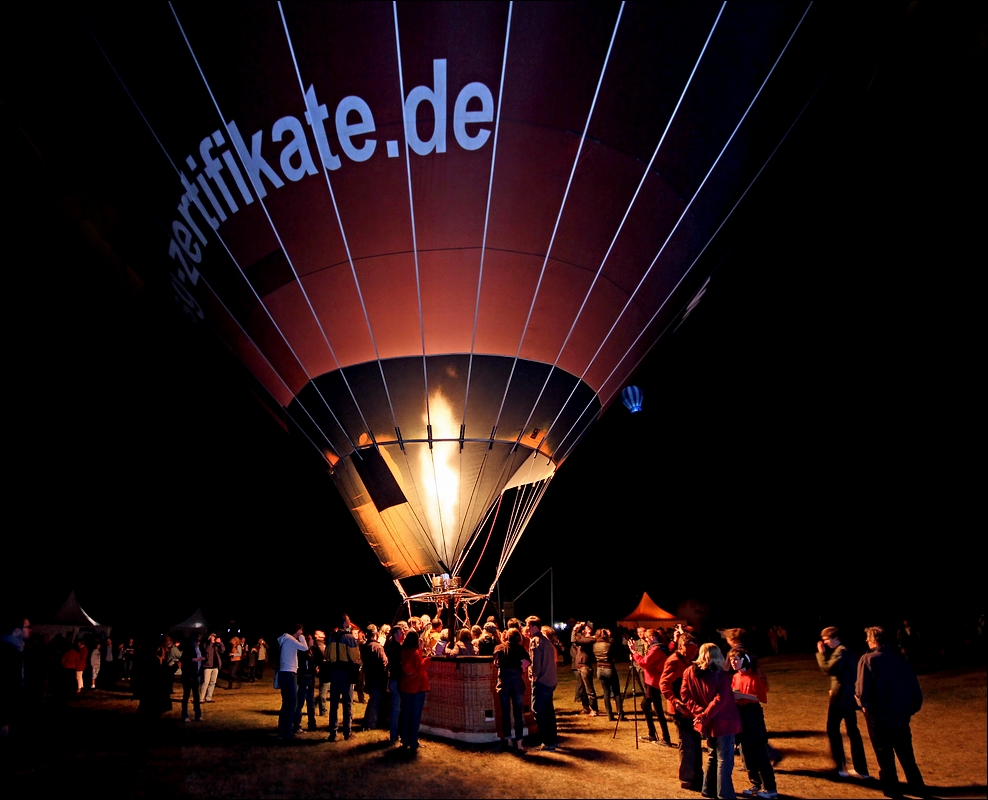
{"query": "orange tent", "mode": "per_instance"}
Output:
(649, 615)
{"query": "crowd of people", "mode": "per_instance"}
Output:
(713, 700)
(390, 665)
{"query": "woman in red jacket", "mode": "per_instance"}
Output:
(413, 685)
(652, 664)
(707, 694)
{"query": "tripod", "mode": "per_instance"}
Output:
(635, 682)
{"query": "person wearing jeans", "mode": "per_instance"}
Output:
(414, 686)
(706, 693)
(291, 645)
(392, 649)
(543, 674)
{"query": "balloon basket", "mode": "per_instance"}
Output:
(463, 703)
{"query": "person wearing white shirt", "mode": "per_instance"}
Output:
(291, 645)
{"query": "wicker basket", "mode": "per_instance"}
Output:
(463, 704)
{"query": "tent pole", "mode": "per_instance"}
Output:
(552, 597)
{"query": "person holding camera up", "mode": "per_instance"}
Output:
(836, 660)
(291, 645)
(652, 664)
(581, 649)
(212, 651)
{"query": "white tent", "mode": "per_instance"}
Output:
(71, 621)
(197, 623)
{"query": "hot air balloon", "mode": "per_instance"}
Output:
(632, 398)
(441, 236)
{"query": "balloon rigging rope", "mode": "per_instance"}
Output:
(682, 216)
(274, 230)
(617, 233)
(489, 504)
(346, 245)
(411, 211)
(696, 194)
(487, 212)
(518, 525)
(576, 439)
(531, 503)
(230, 254)
(418, 278)
(486, 542)
(555, 229)
(493, 510)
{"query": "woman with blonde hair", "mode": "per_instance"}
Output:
(236, 654)
(706, 693)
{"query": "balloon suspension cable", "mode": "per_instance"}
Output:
(461, 559)
(521, 514)
(490, 531)
(483, 608)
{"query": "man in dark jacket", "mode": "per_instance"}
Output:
(889, 694)
(392, 651)
(581, 650)
(12, 675)
(670, 685)
(306, 677)
(375, 664)
(544, 681)
(343, 662)
(842, 667)
(192, 660)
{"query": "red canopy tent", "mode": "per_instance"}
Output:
(649, 615)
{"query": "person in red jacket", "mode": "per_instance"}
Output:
(652, 664)
(414, 684)
(670, 685)
(751, 690)
(707, 694)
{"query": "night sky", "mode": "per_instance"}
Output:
(807, 453)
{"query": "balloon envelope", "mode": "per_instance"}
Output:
(443, 235)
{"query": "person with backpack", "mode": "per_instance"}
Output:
(343, 665)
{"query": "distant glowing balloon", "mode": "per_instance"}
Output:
(632, 398)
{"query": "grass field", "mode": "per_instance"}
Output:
(97, 746)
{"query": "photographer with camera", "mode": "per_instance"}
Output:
(581, 649)
(652, 664)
